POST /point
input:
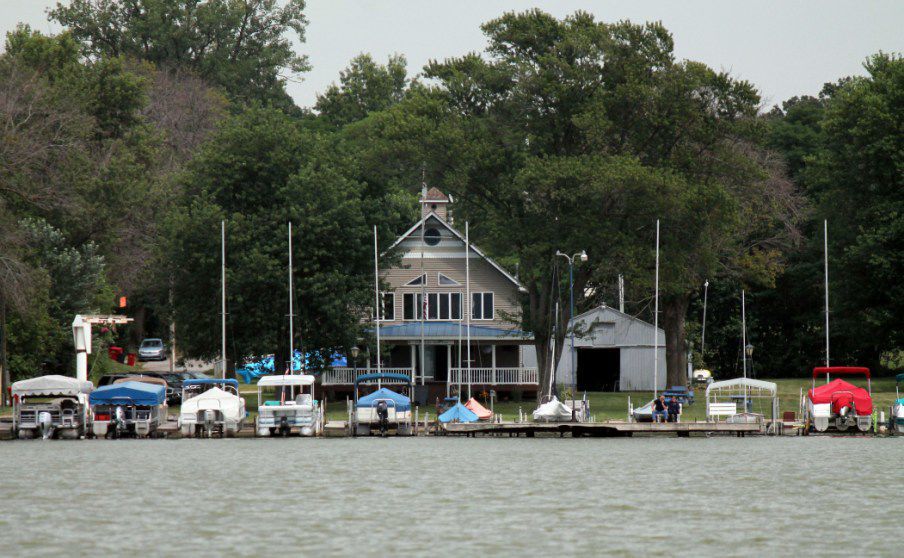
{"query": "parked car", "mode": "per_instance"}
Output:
(152, 349)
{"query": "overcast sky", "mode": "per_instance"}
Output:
(784, 47)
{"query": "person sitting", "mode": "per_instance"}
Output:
(660, 410)
(674, 409)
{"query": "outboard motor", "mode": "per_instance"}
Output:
(383, 417)
(210, 417)
(118, 421)
(284, 428)
(45, 425)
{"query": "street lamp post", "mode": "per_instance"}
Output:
(582, 255)
(354, 354)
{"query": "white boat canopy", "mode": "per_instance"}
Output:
(44, 386)
(216, 398)
(286, 380)
(736, 386)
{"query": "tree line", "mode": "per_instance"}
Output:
(129, 137)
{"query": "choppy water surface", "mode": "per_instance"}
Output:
(441, 497)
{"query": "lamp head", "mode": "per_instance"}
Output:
(749, 349)
(354, 351)
(583, 255)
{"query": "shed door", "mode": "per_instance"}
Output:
(598, 369)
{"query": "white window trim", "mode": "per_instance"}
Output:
(439, 280)
(482, 297)
(413, 284)
(438, 318)
(383, 295)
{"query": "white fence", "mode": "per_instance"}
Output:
(494, 376)
(346, 376)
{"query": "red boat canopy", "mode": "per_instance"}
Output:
(823, 370)
(843, 394)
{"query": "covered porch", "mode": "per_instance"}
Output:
(439, 360)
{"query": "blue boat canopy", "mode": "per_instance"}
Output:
(384, 376)
(129, 393)
(211, 381)
(402, 403)
(458, 413)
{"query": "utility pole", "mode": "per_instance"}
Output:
(223, 297)
(825, 248)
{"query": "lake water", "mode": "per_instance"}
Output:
(453, 496)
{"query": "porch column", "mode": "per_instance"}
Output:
(520, 363)
(493, 361)
(448, 367)
(414, 363)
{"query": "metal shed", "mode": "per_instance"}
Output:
(613, 352)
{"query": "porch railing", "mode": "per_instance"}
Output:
(495, 376)
(346, 376)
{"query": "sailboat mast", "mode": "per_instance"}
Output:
(825, 248)
(552, 359)
(223, 297)
(424, 305)
(377, 303)
(744, 343)
(468, 296)
(291, 313)
(656, 322)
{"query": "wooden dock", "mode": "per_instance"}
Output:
(600, 429)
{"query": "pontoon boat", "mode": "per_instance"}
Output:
(211, 406)
(839, 403)
(128, 409)
(286, 403)
(51, 407)
(384, 409)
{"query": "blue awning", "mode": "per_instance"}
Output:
(450, 330)
(458, 413)
(129, 393)
(402, 403)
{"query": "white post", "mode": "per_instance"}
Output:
(656, 322)
(468, 296)
(825, 247)
(744, 344)
(621, 293)
(223, 297)
(291, 314)
(703, 335)
(377, 303)
(493, 361)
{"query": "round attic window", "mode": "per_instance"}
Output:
(431, 237)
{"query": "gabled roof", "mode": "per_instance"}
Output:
(459, 236)
(434, 194)
(603, 307)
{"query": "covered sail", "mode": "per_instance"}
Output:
(842, 394)
(475, 407)
(458, 413)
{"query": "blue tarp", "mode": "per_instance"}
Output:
(402, 403)
(458, 413)
(129, 393)
(264, 366)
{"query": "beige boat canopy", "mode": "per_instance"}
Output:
(53, 385)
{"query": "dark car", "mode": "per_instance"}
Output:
(152, 349)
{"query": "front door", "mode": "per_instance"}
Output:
(436, 365)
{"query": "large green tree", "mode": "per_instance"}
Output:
(243, 47)
(261, 170)
(552, 99)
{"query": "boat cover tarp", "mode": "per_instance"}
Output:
(129, 393)
(51, 385)
(402, 403)
(899, 378)
(215, 398)
(553, 410)
(265, 366)
(840, 394)
(458, 413)
(482, 412)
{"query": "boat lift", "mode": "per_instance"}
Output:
(81, 335)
